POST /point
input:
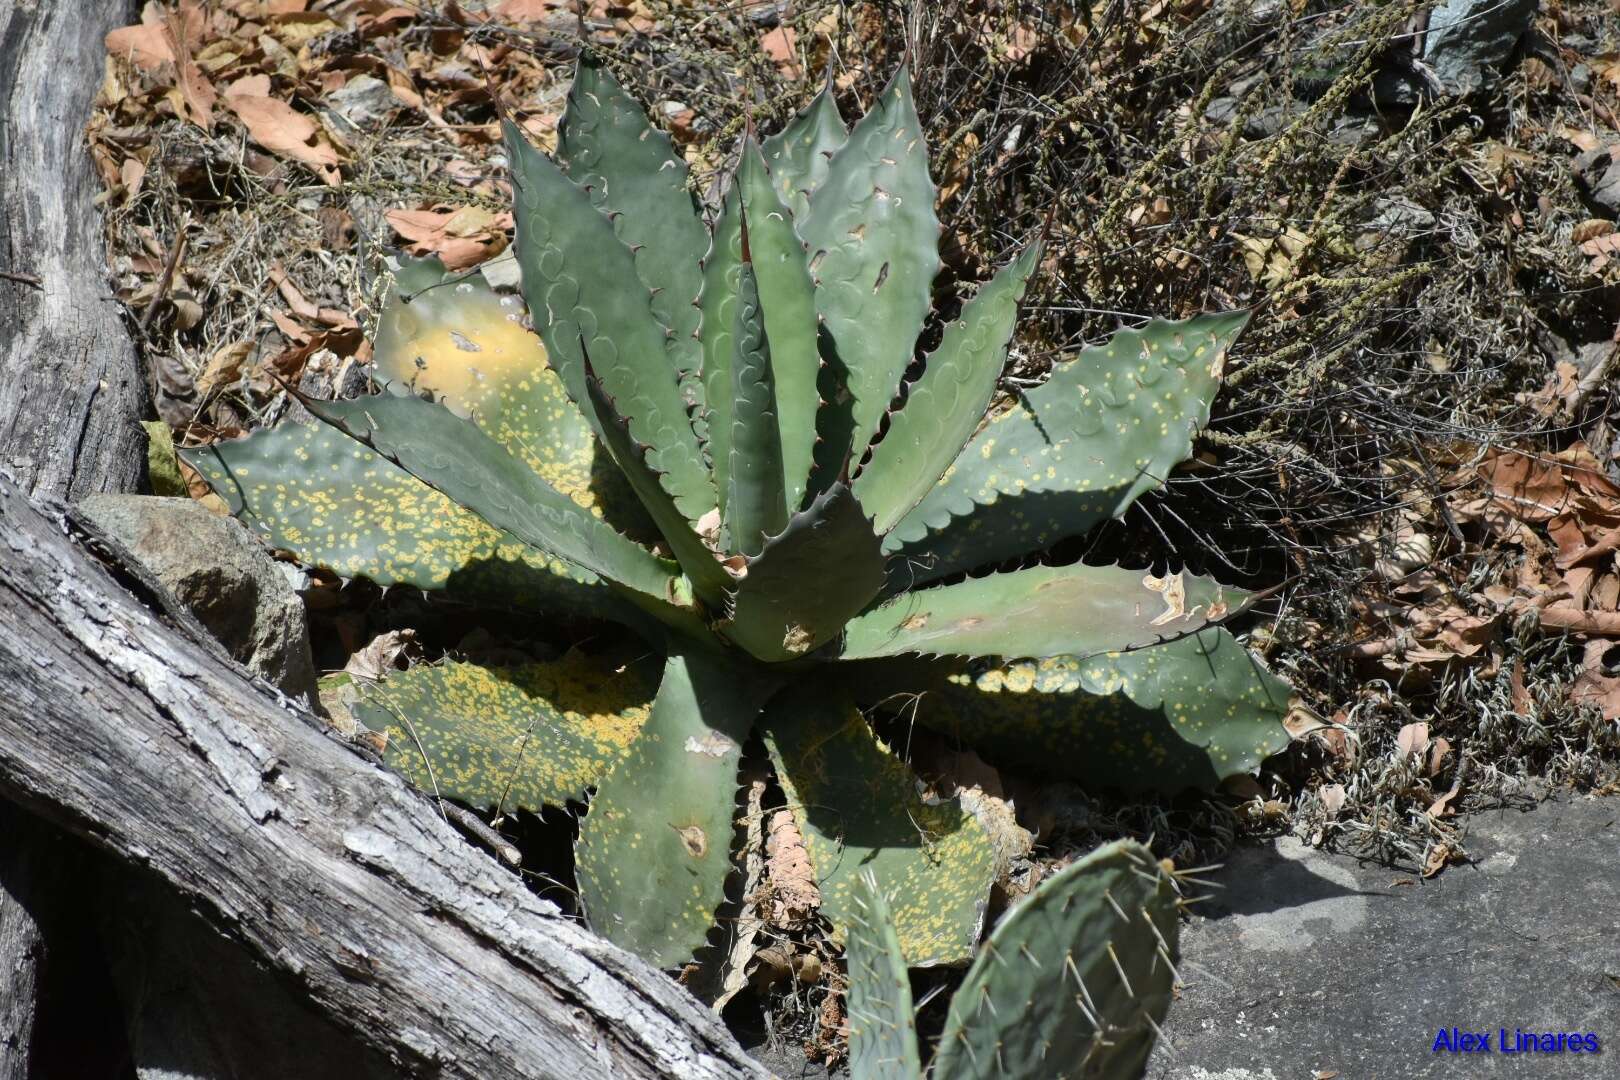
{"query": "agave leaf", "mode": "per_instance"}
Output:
(1186, 714)
(722, 272)
(882, 1021)
(709, 579)
(333, 503)
(756, 506)
(807, 581)
(581, 284)
(788, 296)
(451, 336)
(1042, 611)
(800, 154)
(857, 806)
(508, 738)
(948, 401)
(655, 849)
(630, 169)
(453, 456)
(1107, 427)
(1075, 980)
(874, 248)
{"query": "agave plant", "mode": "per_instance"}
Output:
(711, 440)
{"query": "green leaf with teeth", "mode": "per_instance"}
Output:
(948, 401)
(775, 614)
(1105, 428)
(582, 284)
(800, 154)
(655, 850)
(874, 250)
(1041, 611)
(630, 169)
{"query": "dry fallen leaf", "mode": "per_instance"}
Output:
(462, 236)
(1332, 796)
(281, 129)
(383, 654)
(1413, 739)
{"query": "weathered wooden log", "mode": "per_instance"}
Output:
(123, 725)
(71, 388)
(70, 381)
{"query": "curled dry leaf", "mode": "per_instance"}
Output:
(385, 652)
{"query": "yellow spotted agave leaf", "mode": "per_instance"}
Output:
(1186, 714)
(655, 850)
(1108, 426)
(336, 504)
(508, 738)
(451, 336)
(1042, 611)
(857, 806)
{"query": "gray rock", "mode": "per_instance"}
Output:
(1308, 964)
(1469, 41)
(364, 102)
(1598, 173)
(224, 575)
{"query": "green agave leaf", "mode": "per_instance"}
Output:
(801, 153)
(788, 296)
(450, 335)
(630, 169)
(454, 457)
(722, 271)
(807, 581)
(1075, 981)
(756, 506)
(581, 284)
(1107, 427)
(874, 249)
(508, 738)
(1042, 611)
(857, 806)
(1186, 714)
(655, 849)
(882, 1021)
(311, 490)
(948, 401)
(709, 579)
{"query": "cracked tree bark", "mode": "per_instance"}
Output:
(70, 384)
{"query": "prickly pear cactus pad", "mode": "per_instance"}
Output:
(882, 1021)
(710, 437)
(1074, 981)
(506, 739)
(859, 811)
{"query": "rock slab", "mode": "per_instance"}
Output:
(1307, 964)
(225, 576)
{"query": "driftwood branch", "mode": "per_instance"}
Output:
(119, 725)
